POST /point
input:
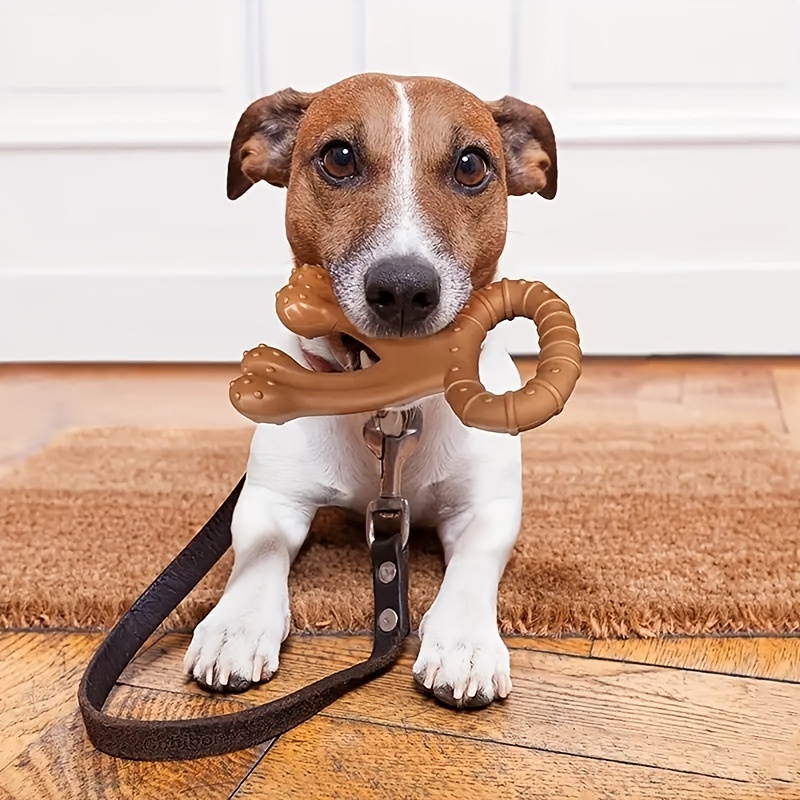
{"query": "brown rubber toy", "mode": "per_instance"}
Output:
(275, 388)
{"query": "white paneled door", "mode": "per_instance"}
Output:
(676, 228)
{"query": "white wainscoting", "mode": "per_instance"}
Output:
(676, 228)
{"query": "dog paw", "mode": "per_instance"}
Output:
(462, 665)
(230, 650)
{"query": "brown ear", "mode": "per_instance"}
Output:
(530, 147)
(262, 145)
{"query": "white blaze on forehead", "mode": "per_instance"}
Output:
(402, 231)
(404, 216)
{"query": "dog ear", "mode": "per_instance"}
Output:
(530, 147)
(262, 145)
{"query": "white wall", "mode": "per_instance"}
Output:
(676, 228)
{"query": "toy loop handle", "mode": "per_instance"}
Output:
(557, 371)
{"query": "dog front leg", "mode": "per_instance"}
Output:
(462, 658)
(238, 643)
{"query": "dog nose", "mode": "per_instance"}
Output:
(402, 290)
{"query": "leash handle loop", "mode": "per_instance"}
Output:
(184, 739)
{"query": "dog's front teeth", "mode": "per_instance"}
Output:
(365, 360)
(351, 361)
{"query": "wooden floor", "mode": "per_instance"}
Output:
(678, 718)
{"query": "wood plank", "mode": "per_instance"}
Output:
(774, 658)
(731, 384)
(63, 765)
(40, 400)
(572, 645)
(621, 380)
(340, 758)
(727, 727)
(39, 675)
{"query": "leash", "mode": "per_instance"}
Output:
(391, 436)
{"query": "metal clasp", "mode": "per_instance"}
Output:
(392, 436)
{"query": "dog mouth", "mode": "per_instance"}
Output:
(355, 355)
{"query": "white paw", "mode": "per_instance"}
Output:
(462, 663)
(235, 647)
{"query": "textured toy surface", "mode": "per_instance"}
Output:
(275, 388)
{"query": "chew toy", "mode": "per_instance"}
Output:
(275, 388)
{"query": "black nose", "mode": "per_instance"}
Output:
(402, 291)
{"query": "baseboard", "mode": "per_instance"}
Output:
(89, 317)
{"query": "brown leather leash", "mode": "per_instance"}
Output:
(181, 739)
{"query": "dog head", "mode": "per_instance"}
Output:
(398, 187)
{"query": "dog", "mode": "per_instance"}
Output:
(398, 187)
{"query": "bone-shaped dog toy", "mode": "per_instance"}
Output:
(275, 388)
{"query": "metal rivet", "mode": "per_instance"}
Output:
(269, 369)
(258, 395)
(453, 369)
(256, 354)
(303, 296)
(454, 349)
(386, 572)
(488, 399)
(463, 389)
(277, 353)
(245, 381)
(270, 383)
(387, 621)
(457, 329)
(555, 369)
(237, 396)
(530, 390)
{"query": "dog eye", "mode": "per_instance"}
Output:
(471, 169)
(338, 160)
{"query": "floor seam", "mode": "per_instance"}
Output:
(486, 740)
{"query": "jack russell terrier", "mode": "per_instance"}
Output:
(398, 187)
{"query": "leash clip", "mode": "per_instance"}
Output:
(392, 436)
